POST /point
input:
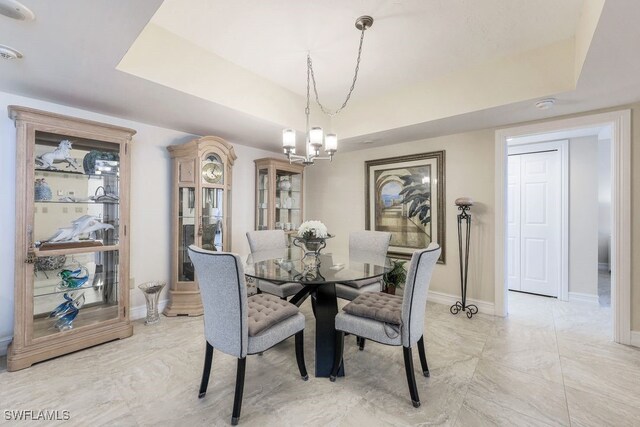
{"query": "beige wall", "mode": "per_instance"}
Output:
(335, 195)
(583, 215)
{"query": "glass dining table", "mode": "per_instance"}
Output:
(319, 277)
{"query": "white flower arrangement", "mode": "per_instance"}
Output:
(311, 229)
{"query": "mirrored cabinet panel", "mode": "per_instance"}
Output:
(202, 214)
(72, 250)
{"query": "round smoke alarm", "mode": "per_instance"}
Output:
(7, 52)
(16, 10)
(545, 104)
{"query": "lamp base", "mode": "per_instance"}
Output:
(470, 309)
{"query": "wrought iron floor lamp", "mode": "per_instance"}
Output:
(464, 205)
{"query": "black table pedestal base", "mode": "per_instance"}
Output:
(326, 304)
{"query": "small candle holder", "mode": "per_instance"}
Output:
(152, 295)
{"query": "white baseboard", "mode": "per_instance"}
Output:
(604, 266)
(140, 311)
(635, 338)
(582, 297)
(484, 307)
(4, 344)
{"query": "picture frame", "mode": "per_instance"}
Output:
(405, 195)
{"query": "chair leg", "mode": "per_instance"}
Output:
(300, 355)
(411, 379)
(423, 357)
(337, 360)
(206, 372)
(361, 342)
(237, 400)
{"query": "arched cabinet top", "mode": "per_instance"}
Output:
(201, 147)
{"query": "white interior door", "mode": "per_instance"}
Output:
(536, 248)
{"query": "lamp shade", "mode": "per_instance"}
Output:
(315, 137)
(331, 143)
(288, 138)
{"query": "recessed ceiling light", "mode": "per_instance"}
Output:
(7, 52)
(545, 104)
(16, 10)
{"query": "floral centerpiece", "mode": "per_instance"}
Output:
(311, 237)
(312, 229)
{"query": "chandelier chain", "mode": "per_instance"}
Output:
(325, 110)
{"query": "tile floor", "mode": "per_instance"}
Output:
(549, 363)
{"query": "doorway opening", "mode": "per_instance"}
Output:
(566, 226)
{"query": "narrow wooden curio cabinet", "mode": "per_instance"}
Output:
(201, 214)
(72, 235)
(279, 195)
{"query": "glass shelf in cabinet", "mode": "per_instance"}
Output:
(90, 314)
(87, 202)
(76, 175)
(41, 291)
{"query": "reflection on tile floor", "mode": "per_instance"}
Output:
(548, 363)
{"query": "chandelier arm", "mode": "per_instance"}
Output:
(353, 83)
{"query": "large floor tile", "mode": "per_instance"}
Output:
(593, 410)
(590, 373)
(524, 393)
(481, 412)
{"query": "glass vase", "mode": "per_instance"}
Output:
(151, 292)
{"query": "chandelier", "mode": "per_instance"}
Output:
(315, 137)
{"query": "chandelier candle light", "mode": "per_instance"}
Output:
(315, 136)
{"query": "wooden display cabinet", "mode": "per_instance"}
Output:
(279, 195)
(201, 214)
(69, 198)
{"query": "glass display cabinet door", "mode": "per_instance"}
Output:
(76, 206)
(262, 210)
(186, 231)
(288, 202)
(212, 221)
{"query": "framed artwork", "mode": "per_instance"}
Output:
(405, 196)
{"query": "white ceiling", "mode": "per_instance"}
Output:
(410, 41)
(73, 47)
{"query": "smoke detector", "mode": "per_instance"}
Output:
(7, 52)
(16, 10)
(545, 104)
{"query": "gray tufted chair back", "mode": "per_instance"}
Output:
(369, 241)
(415, 293)
(266, 240)
(224, 297)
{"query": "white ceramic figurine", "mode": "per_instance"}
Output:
(60, 154)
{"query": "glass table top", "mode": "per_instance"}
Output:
(289, 265)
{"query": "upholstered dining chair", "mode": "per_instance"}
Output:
(374, 243)
(266, 241)
(392, 319)
(239, 325)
